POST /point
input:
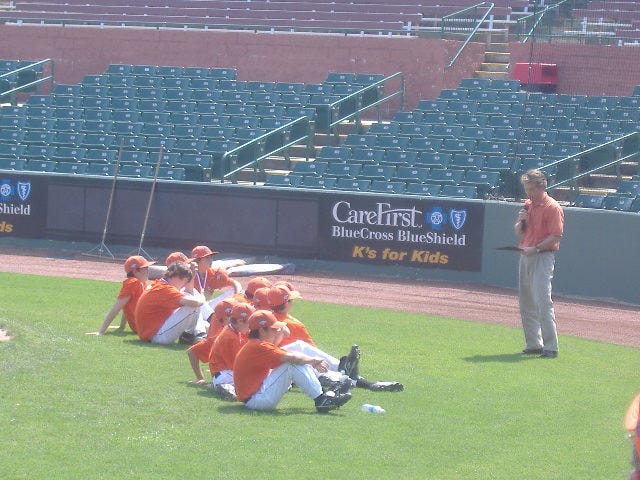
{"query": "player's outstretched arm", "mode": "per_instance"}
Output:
(111, 314)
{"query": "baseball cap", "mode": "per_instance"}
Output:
(264, 318)
(242, 310)
(176, 257)
(283, 283)
(220, 279)
(260, 299)
(201, 251)
(136, 261)
(279, 295)
(223, 308)
(256, 283)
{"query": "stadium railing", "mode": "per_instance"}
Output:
(252, 153)
(25, 79)
(568, 171)
(331, 115)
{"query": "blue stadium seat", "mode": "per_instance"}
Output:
(384, 186)
(377, 172)
(446, 176)
(314, 168)
(621, 203)
(424, 189)
(459, 191)
(352, 184)
(589, 200)
(75, 168)
(342, 170)
(409, 174)
(318, 182)
(282, 180)
(484, 181)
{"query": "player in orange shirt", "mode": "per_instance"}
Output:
(254, 284)
(209, 279)
(137, 269)
(201, 351)
(226, 347)
(260, 299)
(280, 298)
(176, 257)
(632, 424)
(164, 311)
(263, 372)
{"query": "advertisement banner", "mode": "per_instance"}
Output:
(424, 233)
(23, 209)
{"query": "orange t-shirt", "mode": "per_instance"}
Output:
(253, 363)
(132, 288)
(545, 218)
(213, 279)
(632, 421)
(297, 329)
(225, 349)
(154, 307)
(202, 349)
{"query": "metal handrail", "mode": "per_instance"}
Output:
(27, 86)
(405, 30)
(335, 106)
(332, 107)
(477, 27)
(572, 161)
(259, 142)
(540, 15)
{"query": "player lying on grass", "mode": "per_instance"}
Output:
(137, 270)
(263, 372)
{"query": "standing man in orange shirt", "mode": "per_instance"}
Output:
(540, 224)
(263, 372)
(165, 311)
(137, 270)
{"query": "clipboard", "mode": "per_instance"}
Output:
(510, 248)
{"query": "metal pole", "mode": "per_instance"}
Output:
(141, 250)
(100, 249)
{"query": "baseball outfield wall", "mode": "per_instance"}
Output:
(416, 237)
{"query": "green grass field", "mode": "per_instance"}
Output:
(81, 407)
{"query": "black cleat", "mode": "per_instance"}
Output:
(386, 387)
(532, 351)
(187, 338)
(349, 364)
(337, 386)
(226, 391)
(330, 401)
(548, 354)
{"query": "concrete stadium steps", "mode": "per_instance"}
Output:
(278, 164)
(496, 62)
